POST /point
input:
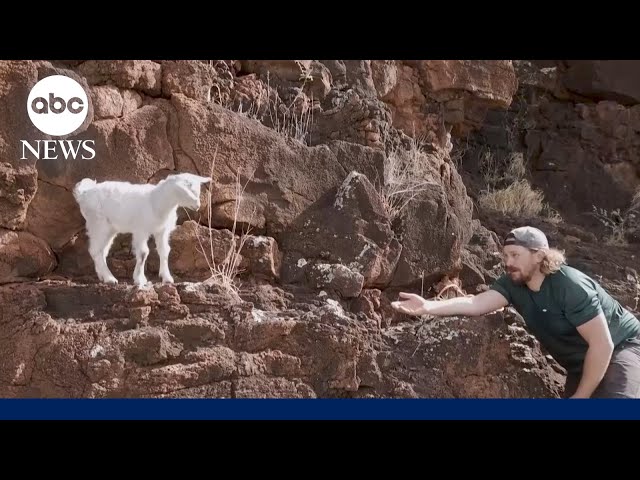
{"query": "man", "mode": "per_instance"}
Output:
(583, 327)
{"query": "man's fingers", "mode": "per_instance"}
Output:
(406, 295)
(400, 308)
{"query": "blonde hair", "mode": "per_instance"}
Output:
(552, 261)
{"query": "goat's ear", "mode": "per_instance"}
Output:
(202, 179)
(195, 178)
(188, 189)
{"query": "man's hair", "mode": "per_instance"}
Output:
(552, 261)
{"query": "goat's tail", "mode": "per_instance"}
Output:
(83, 186)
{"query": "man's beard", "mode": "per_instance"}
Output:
(521, 279)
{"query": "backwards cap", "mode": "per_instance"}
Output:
(528, 237)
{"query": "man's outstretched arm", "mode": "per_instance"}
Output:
(480, 304)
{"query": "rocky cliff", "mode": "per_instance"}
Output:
(335, 185)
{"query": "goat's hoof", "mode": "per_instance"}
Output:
(168, 279)
(111, 280)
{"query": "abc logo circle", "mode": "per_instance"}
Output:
(57, 105)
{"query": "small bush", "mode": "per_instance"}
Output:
(516, 199)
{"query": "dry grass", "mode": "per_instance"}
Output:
(458, 153)
(518, 197)
(293, 120)
(497, 171)
(405, 176)
(522, 121)
(619, 222)
(224, 274)
(449, 288)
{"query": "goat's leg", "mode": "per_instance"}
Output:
(100, 240)
(141, 250)
(162, 244)
(105, 252)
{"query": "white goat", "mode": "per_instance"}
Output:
(112, 207)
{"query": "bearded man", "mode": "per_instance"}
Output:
(581, 325)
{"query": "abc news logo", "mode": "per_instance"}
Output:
(57, 106)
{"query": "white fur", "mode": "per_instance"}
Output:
(111, 207)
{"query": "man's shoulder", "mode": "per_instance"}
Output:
(567, 275)
(574, 286)
(569, 271)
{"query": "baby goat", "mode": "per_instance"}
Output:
(111, 207)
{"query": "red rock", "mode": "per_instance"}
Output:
(24, 257)
(615, 80)
(142, 75)
(17, 189)
(290, 70)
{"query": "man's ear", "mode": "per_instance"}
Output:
(539, 254)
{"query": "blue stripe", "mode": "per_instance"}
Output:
(322, 409)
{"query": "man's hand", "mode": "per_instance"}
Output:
(412, 304)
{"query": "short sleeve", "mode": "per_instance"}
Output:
(581, 302)
(501, 286)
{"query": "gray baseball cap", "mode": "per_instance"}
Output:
(528, 237)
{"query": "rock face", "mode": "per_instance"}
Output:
(421, 92)
(601, 80)
(142, 75)
(16, 80)
(596, 142)
(17, 189)
(500, 360)
(492, 81)
(334, 186)
(290, 70)
(435, 224)
(22, 256)
(279, 177)
(345, 242)
(18, 178)
(481, 259)
(592, 137)
(61, 339)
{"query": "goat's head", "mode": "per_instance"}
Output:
(187, 189)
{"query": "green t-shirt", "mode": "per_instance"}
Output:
(567, 299)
